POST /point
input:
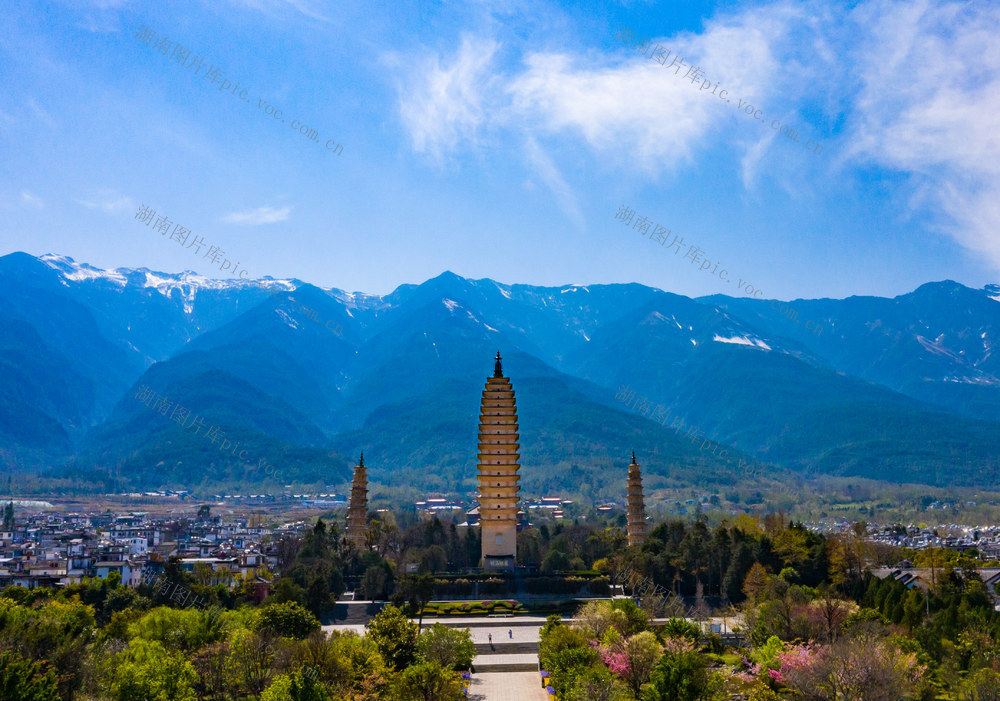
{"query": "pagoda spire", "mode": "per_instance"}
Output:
(497, 367)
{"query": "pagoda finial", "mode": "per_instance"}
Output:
(497, 369)
(362, 463)
(633, 457)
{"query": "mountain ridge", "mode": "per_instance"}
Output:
(736, 367)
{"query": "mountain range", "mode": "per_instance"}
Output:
(902, 389)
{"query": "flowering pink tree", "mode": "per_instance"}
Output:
(866, 670)
(631, 659)
(613, 656)
(793, 660)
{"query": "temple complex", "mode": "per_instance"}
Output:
(357, 513)
(498, 471)
(636, 507)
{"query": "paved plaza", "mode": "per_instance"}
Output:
(522, 634)
(507, 686)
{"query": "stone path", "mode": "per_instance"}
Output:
(507, 686)
(504, 662)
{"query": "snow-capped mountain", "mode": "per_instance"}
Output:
(904, 388)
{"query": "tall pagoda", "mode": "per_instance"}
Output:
(357, 512)
(636, 506)
(498, 471)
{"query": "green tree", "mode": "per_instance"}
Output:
(596, 617)
(57, 632)
(555, 561)
(554, 639)
(318, 597)
(678, 676)
(596, 684)
(354, 666)
(566, 665)
(419, 589)
(249, 663)
(451, 648)
(374, 583)
(642, 652)
(178, 629)
(984, 685)
(295, 687)
(285, 589)
(288, 620)
(636, 619)
(395, 636)
(146, 671)
(428, 681)
(681, 628)
(24, 680)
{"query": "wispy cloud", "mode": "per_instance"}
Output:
(621, 104)
(40, 114)
(32, 200)
(929, 106)
(109, 203)
(275, 7)
(553, 179)
(256, 217)
(442, 105)
(912, 86)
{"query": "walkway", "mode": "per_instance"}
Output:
(507, 686)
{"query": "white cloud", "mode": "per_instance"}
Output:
(635, 109)
(443, 105)
(256, 217)
(31, 199)
(929, 105)
(624, 104)
(908, 85)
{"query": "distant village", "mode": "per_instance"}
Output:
(52, 549)
(55, 549)
(985, 540)
(49, 548)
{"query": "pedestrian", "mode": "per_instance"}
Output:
(510, 634)
(491, 637)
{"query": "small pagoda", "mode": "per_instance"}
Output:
(636, 506)
(357, 512)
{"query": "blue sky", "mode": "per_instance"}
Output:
(500, 139)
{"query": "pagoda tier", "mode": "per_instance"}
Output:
(636, 508)
(499, 465)
(357, 512)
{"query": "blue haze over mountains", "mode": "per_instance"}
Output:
(903, 389)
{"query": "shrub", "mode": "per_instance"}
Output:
(288, 620)
(449, 647)
(678, 677)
